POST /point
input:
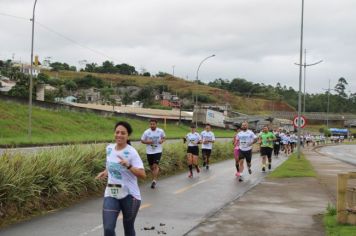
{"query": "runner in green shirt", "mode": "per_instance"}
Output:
(266, 139)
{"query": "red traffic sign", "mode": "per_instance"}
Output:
(303, 121)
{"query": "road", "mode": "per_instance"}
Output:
(30, 150)
(178, 203)
(345, 153)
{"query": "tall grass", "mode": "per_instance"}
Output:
(51, 179)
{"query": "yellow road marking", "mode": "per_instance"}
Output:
(182, 190)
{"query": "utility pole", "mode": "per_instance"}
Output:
(305, 72)
(300, 80)
(31, 76)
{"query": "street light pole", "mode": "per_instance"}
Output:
(201, 64)
(31, 75)
(300, 79)
(305, 72)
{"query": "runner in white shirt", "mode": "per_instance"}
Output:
(193, 139)
(208, 138)
(123, 167)
(153, 138)
(246, 139)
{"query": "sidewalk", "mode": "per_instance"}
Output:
(290, 206)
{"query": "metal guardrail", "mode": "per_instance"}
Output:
(315, 115)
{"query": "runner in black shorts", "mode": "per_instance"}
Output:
(266, 139)
(208, 138)
(245, 138)
(153, 138)
(193, 139)
(277, 145)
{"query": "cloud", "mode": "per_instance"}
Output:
(256, 40)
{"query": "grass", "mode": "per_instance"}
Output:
(294, 167)
(333, 228)
(62, 126)
(35, 184)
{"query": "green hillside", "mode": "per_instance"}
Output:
(50, 126)
(184, 88)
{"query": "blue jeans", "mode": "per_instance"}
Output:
(111, 209)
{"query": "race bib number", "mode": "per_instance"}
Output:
(277, 143)
(116, 192)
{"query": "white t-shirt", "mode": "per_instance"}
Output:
(246, 139)
(154, 135)
(118, 174)
(193, 139)
(207, 136)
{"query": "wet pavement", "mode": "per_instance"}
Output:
(290, 206)
(215, 203)
(176, 206)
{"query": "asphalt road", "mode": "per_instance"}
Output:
(176, 206)
(345, 153)
(30, 150)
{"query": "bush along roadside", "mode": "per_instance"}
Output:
(35, 184)
(333, 228)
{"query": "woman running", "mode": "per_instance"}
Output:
(123, 167)
(193, 139)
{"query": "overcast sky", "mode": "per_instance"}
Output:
(257, 40)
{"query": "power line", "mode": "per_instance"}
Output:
(62, 36)
(13, 16)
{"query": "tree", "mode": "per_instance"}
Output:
(146, 96)
(21, 87)
(341, 86)
(90, 67)
(108, 67)
(44, 78)
(70, 85)
(126, 99)
(126, 69)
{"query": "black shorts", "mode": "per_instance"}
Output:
(266, 151)
(193, 150)
(154, 158)
(206, 152)
(245, 155)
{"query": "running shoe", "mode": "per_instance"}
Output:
(250, 171)
(190, 175)
(198, 169)
(263, 169)
(269, 166)
(153, 185)
(237, 174)
(207, 167)
(241, 179)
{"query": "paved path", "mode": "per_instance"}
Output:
(179, 202)
(290, 206)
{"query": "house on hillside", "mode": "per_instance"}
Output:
(26, 69)
(6, 84)
(169, 100)
(91, 95)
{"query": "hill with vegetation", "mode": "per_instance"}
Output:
(182, 88)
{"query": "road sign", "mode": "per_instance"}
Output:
(303, 121)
